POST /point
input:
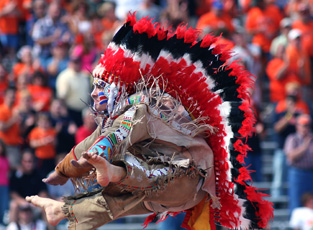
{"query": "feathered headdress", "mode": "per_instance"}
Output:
(208, 87)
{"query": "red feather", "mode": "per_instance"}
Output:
(149, 219)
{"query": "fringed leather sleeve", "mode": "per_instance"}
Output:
(65, 168)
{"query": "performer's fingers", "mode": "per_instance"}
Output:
(81, 163)
(55, 179)
(75, 164)
(86, 155)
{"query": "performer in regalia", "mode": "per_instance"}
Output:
(173, 119)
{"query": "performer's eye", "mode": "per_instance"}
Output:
(99, 87)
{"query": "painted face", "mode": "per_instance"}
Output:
(101, 93)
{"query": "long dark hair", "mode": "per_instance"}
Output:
(4, 148)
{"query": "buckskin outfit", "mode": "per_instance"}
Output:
(178, 117)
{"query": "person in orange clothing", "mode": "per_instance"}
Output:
(43, 140)
(41, 94)
(104, 22)
(216, 18)
(293, 89)
(27, 64)
(27, 116)
(275, 71)
(22, 85)
(305, 24)
(292, 8)
(9, 128)
(290, 65)
(9, 24)
(262, 23)
(297, 59)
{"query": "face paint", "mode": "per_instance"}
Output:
(102, 98)
(99, 82)
(107, 90)
(106, 87)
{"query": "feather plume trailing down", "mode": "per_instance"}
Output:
(209, 87)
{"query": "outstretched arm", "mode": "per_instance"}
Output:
(65, 169)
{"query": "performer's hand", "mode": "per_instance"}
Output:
(55, 179)
(81, 163)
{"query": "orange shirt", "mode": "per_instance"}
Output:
(41, 94)
(21, 68)
(214, 22)
(293, 54)
(307, 35)
(300, 105)
(11, 136)
(46, 151)
(278, 87)
(8, 24)
(267, 21)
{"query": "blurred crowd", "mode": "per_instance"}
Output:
(48, 49)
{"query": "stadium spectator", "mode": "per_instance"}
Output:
(43, 140)
(9, 128)
(292, 9)
(304, 23)
(71, 87)
(262, 23)
(284, 124)
(282, 38)
(299, 152)
(9, 26)
(40, 92)
(89, 125)
(57, 62)
(293, 89)
(103, 23)
(38, 11)
(24, 182)
(290, 65)
(302, 217)
(88, 53)
(27, 64)
(26, 220)
(79, 21)
(64, 126)
(48, 30)
(22, 84)
(27, 116)
(298, 62)
(215, 19)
